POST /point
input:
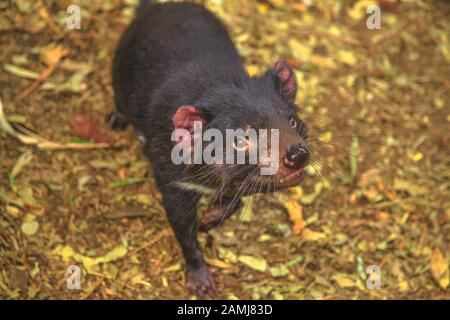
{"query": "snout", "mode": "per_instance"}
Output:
(296, 157)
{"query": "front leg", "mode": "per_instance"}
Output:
(221, 210)
(181, 208)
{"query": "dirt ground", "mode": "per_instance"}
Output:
(377, 192)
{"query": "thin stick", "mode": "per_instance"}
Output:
(40, 142)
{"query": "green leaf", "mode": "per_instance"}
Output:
(20, 72)
(30, 228)
(21, 162)
(127, 182)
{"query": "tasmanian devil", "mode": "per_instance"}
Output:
(175, 65)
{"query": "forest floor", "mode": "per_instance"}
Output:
(376, 102)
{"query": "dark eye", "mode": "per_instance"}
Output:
(293, 123)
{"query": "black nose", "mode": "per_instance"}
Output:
(296, 157)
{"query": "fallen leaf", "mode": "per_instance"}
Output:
(410, 187)
(227, 255)
(279, 271)
(358, 11)
(20, 72)
(259, 264)
(295, 215)
(13, 211)
(85, 128)
(68, 253)
(217, 263)
(310, 235)
(439, 269)
(347, 57)
(30, 228)
(343, 280)
(172, 268)
(21, 162)
(403, 286)
(52, 54)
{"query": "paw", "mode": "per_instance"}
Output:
(211, 219)
(116, 121)
(200, 282)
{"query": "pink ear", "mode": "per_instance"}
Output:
(288, 83)
(185, 117)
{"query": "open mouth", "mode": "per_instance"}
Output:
(294, 175)
(291, 177)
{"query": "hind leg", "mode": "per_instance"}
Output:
(116, 120)
(217, 215)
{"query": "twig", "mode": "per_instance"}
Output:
(332, 37)
(47, 72)
(29, 138)
(53, 58)
(155, 239)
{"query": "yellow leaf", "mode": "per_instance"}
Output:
(295, 215)
(113, 255)
(326, 137)
(263, 8)
(217, 263)
(68, 253)
(358, 10)
(65, 252)
(227, 255)
(403, 286)
(297, 192)
(343, 281)
(346, 57)
(310, 235)
(52, 54)
(13, 211)
(259, 264)
(140, 279)
(417, 156)
(439, 268)
(172, 268)
(252, 70)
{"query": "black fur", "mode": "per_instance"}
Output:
(179, 54)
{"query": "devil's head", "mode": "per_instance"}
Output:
(265, 102)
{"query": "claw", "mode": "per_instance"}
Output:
(200, 283)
